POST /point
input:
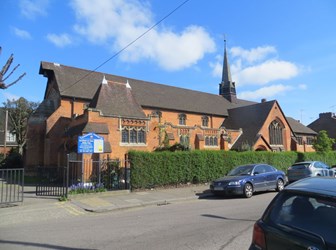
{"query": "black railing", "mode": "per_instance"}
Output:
(107, 174)
(11, 185)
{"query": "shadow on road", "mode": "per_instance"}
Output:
(41, 245)
(225, 218)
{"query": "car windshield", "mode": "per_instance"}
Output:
(241, 170)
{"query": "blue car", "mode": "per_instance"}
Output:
(247, 179)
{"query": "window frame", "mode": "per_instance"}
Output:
(275, 130)
(132, 135)
(182, 119)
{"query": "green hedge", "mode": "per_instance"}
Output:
(152, 169)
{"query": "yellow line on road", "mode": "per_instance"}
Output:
(70, 209)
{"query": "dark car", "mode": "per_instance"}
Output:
(301, 216)
(247, 179)
(305, 169)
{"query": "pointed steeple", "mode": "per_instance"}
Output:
(227, 88)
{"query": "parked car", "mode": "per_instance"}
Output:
(302, 216)
(247, 179)
(305, 169)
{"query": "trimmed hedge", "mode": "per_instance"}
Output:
(152, 169)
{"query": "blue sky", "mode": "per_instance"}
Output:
(280, 50)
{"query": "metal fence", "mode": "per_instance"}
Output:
(110, 174)
(83, 174)
(51, 181)
(11, 186)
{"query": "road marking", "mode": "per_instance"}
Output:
(70, 209)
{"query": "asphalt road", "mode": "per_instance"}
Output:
(212, 223)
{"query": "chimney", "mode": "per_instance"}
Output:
(327, 115)
(263, 100)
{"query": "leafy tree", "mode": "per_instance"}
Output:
(5, 69)
(19, 112)
(323, 143)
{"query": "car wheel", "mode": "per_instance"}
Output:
(248, 190)
(280, 185)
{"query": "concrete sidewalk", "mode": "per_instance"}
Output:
(117, 200)
(124, 199)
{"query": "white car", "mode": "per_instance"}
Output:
(305, 169)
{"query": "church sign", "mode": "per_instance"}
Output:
(90, 143)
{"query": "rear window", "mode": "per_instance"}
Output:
(308, 213)
(300, 166)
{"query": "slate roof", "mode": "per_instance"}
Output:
(95, 127)
(299, 128)
(327, 122)
(45, 109)
(80, 83)
(124, 104)
(250, 119)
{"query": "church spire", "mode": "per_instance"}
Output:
(227, 88)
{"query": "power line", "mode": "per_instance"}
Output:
(128, 45)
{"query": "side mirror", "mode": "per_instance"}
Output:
(256, 173)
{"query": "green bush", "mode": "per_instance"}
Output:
(153, 169)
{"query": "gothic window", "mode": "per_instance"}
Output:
(276, 133)
(211, 141)
(184, 140)
(133, 135)
(182, 119)
(300, 141)
(157, 113)
(205, 121)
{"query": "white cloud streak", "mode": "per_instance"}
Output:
(118, 23)
(61, 40)
(265, 72)
(265, 92)
(253, 55)
(21, 33)
(33, 8)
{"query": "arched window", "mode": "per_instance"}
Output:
(275, 133)
(205, 121)
(182, 119)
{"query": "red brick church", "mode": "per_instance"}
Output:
(131, 114)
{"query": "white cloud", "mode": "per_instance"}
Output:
(118, 23)
(265, 92)
(252, 55)
(21, 33)
(217, 66)
(61, 40)
(33, 8)
(265, 72)
(256, 66)
(302, 86)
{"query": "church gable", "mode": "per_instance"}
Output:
(116, 99)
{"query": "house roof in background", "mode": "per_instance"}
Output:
(327, 122)
(299, 128)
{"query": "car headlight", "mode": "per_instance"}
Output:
(234, 183)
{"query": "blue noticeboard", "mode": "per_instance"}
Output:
(90, 143)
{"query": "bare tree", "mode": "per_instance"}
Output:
(19, 112)
(5, 69)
